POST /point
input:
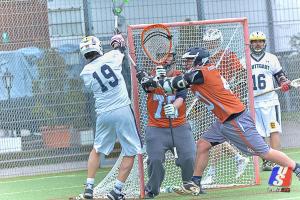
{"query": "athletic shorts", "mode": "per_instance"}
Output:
(241, 132)
(268, 120)
(117, 124)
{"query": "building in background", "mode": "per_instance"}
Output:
(24, 24)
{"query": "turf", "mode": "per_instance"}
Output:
(64, 185)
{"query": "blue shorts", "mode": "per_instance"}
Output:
(117, 124)
(241, 132)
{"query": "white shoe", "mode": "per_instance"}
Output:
(241, 167)
(207, 180)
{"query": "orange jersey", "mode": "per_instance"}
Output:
(216, 95)
(155, 103)
(229, 64)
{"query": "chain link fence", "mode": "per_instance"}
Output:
(47, 118)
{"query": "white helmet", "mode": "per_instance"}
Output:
(213, 36)
(89, 44)
(257, 36)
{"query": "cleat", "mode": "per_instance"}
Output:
(149, 195)
(88, 191)
(112, 195)
(242, 165)
(189, 188)
(267, 166)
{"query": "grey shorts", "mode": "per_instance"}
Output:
(118, 123)
(241, 132)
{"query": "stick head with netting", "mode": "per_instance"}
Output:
(157, 43)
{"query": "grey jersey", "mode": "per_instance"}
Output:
(103, 77)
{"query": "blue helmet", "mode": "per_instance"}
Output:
(200, 55)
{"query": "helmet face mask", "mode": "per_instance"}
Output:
(90, 44)
(213, 39)
(197, 56)
(257, 42)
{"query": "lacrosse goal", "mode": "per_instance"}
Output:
(185, 35)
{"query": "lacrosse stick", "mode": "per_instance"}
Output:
(295, 84)
(117, 10)
(156, 42)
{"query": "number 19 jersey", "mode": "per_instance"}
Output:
(104, 78)
(262, 76)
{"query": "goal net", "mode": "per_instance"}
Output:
(229, 56)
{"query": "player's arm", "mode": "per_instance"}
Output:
(182, 82)
(282, 81)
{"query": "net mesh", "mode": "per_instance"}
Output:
(226, 162)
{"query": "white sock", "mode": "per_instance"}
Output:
(90, 181)
(118, 186)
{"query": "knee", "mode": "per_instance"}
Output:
(203, 146)
(154, 162)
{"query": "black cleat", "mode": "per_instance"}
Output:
(112, 195)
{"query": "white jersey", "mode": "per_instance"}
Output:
(103, 76)
(263, 71)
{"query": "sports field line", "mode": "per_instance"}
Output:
(40, 190)
(48, 177)
(293, 152)
(290, 198)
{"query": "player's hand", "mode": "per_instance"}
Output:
(170, 110)
(140, 75)
(285, 86)
(166, 84)
(117, 41)
(149, 83)
(160, 71)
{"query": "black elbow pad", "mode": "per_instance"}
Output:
(194, 77)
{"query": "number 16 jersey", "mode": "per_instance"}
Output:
(263, 71)
(104, 78)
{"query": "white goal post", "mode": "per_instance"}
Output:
(185, 35)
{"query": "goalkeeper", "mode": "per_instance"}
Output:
(234, 122)
(158, 136)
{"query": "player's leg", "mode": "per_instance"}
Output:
(241, 161)
(271, 118)
(275, 127)
(158, 141)
(128, 137)
(104, 142)
(186, 149)
(210, 138)
(261, 127)
(242, 133)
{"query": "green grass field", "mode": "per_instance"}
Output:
(64, 185)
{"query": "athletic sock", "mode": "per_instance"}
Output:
(90, 181)
(196, 179)
(118, 186)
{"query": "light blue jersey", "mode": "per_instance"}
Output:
(103, 77)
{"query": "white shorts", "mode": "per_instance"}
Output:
(268, 120)
(117, 124)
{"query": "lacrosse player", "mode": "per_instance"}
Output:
(115, 119)
(158, 135)
(266, 68)
(234, 122)
(229, 65)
